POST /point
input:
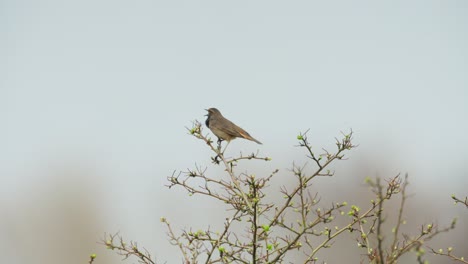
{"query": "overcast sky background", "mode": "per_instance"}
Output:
(95, 95)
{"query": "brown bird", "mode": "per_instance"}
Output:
(225, 129)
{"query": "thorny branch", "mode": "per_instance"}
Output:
(448, 253)
(250, 204)
(398, 246)
(116, 242)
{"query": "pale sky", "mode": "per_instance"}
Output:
(95, 97)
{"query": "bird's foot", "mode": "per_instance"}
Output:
(215, 160)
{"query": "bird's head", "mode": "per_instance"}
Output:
(212, 111)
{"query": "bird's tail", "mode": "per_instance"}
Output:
(249, 137)
(253, 139)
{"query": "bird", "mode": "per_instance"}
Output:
(225, 129)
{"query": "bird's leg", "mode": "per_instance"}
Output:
(226, 147)
(219, 144)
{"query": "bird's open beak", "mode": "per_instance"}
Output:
(207, 111)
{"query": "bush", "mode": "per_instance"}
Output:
(257, 230)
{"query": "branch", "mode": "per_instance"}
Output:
(449, 254)
(127, 250)
(457, 200)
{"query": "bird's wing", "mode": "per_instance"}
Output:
(235, 130)
(232, 129)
